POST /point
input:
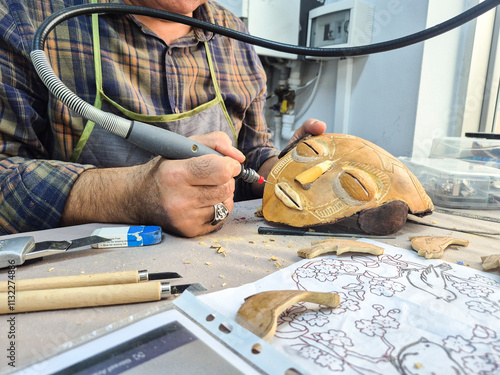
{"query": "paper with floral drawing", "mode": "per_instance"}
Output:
(399, 313)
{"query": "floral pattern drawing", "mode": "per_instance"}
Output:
(396, 316)
(399, 314)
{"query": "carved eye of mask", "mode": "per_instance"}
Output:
(360, 185)
(310, 148)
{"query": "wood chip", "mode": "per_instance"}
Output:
(491, 261)
(430, 247)
(339, 247)
(222, 251)
(273, 259)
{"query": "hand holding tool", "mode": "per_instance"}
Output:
(108, 278)
(15, 251)
(171, 145)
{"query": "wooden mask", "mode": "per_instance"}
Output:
(324, 179)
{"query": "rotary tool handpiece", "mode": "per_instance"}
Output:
(171, 145)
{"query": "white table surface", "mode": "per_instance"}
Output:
(247, 259)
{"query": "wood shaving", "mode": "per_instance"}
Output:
(278, 265)
(273, 259)
(251, 242)
(187, 262)
(202, 243)
(51, 269)
(224, 284)
(208, 263)
(339, 246)
(491, 261)
(258, 212)
(221, 250)
(433, 246)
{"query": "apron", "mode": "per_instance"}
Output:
(102, 149)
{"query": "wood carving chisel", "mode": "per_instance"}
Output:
(301, 232)
(104, 295)
(108, 278)
(15, 251)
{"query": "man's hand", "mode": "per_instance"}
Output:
(178, 195)
(315, 127)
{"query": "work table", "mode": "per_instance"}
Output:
(233, 256)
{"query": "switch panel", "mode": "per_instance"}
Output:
(282, 21)
(343, 24)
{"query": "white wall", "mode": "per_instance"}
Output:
(404, 98)
(385, 85)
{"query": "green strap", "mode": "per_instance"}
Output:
(100, 96)
(89, 126)
(218, 94)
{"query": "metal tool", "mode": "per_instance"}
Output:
(15, 251)
(101, 295)
(108, 278)
(301, 232)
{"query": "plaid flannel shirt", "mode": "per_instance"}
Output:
(140, 72)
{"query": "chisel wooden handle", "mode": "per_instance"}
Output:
(67, 298)
(108, 278)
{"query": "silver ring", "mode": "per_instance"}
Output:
(221, 213)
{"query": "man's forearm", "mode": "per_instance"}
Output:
(104, 195)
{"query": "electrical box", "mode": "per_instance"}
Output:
(283, 21)
(342, 24)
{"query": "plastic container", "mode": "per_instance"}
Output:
(475, 150)
(457, 184)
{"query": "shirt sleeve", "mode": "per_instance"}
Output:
(33, 193)
(33, 189)
(255, 141)
(255, 137)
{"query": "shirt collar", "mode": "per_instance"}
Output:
(202, 13)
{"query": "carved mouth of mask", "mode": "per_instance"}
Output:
(288, 196)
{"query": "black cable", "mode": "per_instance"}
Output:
(52, 21)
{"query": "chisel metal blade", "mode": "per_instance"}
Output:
(163, 275)
(65, 245)
(178, 289)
